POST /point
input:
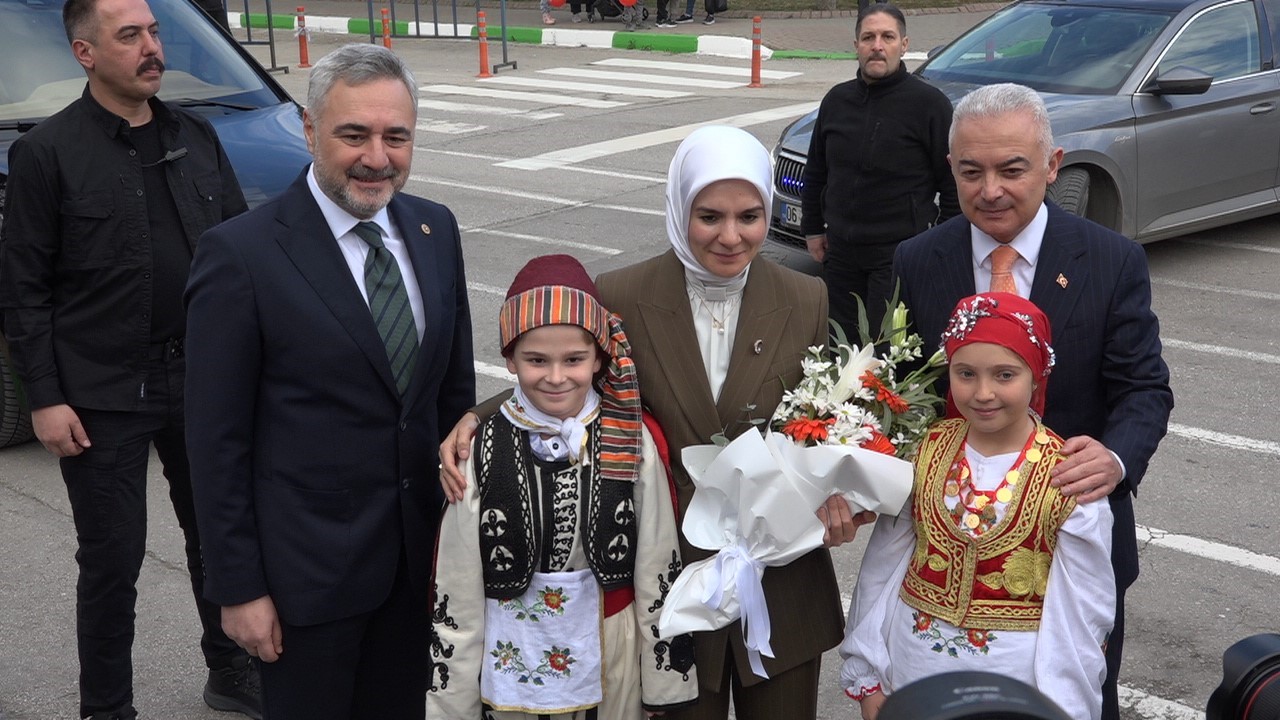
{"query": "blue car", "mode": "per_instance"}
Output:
(207, 72)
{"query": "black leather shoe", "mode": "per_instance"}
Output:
(122, 713)
(237, 688)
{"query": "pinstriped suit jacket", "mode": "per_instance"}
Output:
(785, 312)
(1110, 381)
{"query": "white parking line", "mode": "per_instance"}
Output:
(1221, 351)
(643, 177)
(1200, 547)
(1234, 442)
(493, 371)
(1150, 707)
(542, 240)
(582, 153)
(487, 289)
(529, 82)
(667, 65)
(1239, 292)
(1229, 244)
(627, 77)
(473, 108)
(446, 127)
(536, 196)
(540, 98)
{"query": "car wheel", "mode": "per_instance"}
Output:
(1071, 190)
(15, 419)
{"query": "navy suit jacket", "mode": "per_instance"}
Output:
(310, 473)
(1110, 381)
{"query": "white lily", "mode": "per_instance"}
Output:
(851, 370)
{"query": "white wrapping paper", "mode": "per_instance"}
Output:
(755, 504)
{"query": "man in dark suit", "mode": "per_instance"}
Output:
(1110, 393)
(329, 340)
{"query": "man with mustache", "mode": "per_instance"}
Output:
(329, 340)
(105, 202)
(877, 160)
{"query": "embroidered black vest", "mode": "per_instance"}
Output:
(509, 542)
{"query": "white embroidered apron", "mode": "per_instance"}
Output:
(543, 649)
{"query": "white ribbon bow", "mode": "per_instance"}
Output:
(735, 568)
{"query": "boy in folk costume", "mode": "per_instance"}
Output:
(552, 569)
(997, 571)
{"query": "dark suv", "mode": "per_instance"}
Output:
(206, 72)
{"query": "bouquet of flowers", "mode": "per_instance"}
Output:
(850, 428)
(856, 398)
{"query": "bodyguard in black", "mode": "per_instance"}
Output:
(877, 161)
(105, 202)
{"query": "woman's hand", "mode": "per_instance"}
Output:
(453, 452)
(871, 705)
(841, 524)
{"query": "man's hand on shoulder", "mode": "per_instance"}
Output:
(58, 428)
(1089, 471)
(454, 451)
(255, 627)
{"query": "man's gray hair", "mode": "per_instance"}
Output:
(992, 100)
(357, 64)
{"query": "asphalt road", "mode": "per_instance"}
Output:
(552, 177)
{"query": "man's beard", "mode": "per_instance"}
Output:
(359, 204)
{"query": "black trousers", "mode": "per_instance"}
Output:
(864, 271)
(107, 487)
(373, 666)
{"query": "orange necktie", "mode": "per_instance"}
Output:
(1002, 270)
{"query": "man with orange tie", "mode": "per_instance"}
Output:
(1110, 397)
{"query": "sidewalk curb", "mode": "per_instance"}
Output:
(717, 45)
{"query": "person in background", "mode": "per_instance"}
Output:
(877, 170)
(711, 303)
(997, 571)
(329, 340)
(105, 202)
(1110, 397)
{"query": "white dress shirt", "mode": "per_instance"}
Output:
(354, 249)
(715, 321)
(1027, 243)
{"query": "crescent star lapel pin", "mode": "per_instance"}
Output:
(1062, 281)
(426, 230)
(758, 347)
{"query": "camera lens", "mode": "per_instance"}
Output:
(969, 696)
(1250, 688)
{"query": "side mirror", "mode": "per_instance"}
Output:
(1181, 80)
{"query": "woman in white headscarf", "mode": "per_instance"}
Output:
(717, 334)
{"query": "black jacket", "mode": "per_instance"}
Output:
(75, 251)
(877, 158)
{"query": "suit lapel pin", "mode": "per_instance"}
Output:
(758, 347)
(1062, 281)
(426, 229)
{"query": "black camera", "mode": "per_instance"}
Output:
(1250, 688)
(970, 696)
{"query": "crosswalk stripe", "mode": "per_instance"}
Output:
(541, 98)
(1220, 351)
(587, 74)
(450, 106)
(445, 127)
(1234, 442)
(1228, 244)
(542, 197)
(668, 65)
(541, 240)
(1200, 547)
(638, 141)
(1239, 292)
(584, 87)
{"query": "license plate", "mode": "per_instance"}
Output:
(791, 214)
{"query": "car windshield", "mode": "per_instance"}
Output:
(1085, 49)
(38, 76)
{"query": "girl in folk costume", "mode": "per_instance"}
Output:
(997, 571)
(552, 569)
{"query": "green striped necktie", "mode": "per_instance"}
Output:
(389, 303)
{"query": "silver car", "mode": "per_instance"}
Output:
(1167, 109)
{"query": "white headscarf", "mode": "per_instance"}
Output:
(707, 155)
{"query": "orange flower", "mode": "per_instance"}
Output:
(923, 621)
(880, 444)
(808, 430)
(552, 600)
(558, 661)
(884, 393)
